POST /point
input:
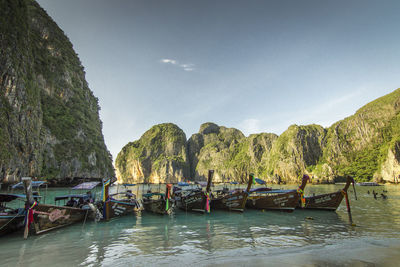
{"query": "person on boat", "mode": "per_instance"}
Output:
(129, 194)
(72, 203)
(89, 197)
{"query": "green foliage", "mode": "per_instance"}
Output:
(362, 164)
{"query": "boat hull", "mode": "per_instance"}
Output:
(193, 202)
(11, 223)
(330, 201)
(233, 202)
(281, 202)
(119, 208)
(157, 206)
(49, 217)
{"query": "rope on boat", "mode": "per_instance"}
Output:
(1, 228)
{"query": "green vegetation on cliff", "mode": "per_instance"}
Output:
(49, 117)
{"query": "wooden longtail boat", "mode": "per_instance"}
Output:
(159, 203)
(194, 199)
(118, 204)
(368, 184)
(330, 201)
(234, 200)
(11, 219)
(279, 200)
(47, 217)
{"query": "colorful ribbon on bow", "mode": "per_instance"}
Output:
(29, 215)
(303, 199)
(208, 202)
(168, 196)
(106, 184)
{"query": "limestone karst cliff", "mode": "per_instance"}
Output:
(365, 145)
(49, 118)
(158, 156)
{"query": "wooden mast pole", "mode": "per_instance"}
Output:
(250, 182)
(210, 175)
(27, 182)
(106, 199)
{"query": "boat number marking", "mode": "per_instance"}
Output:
(281, 201)
(323, 199)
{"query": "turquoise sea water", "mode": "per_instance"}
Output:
(252, 238)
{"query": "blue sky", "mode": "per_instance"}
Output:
(258, 66)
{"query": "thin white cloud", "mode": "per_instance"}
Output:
(168, 61)
(187, 67)
(184, 66)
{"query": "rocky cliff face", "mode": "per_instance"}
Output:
(49, 120)
(294, 150)
(365, 145)
(159, 156)
(212, 148)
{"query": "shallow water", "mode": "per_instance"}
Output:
(252, 238)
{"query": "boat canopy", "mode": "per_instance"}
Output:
(368, 184)
(128, 194)
(153, 194)
(183, 184)
(83, 196)
(260, 189)
(272, 191)
(35, 184)
(234, 183)
(259, 181)
(128, 185)
(10, 197)
(86, 186)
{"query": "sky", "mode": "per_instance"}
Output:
(258, 66)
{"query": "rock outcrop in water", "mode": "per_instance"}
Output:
(49, 118)
(365, 145)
